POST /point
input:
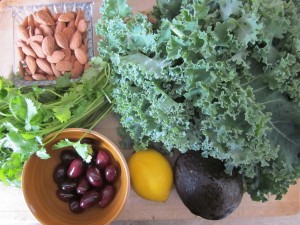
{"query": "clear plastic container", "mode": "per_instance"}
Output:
(20, 12)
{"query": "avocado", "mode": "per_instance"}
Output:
(203, 186)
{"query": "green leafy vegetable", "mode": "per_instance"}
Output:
(84, 150)
(168, 8)
(217, 76)
(28, 114)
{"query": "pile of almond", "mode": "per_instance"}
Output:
(50, 45)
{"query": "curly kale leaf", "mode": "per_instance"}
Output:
(169, 8)
(144, 97)
(284, 135)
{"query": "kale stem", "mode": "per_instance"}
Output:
(175, 30)
(250, 81)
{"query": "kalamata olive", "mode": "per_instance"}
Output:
(89, 199)
(74, 206)
(83, 185)
(107, 194)
(89, 141)
(68, 186)
(111, 173)
(94, 176)
(103, 159)
(67, 156)
(60, 173)
(76, 168)
(66, 197)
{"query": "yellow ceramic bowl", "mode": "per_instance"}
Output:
(39, 188)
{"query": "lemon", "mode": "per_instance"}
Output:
(151, 175)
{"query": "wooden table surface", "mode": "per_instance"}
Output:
(13, 209)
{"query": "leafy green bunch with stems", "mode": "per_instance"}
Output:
(28, 114)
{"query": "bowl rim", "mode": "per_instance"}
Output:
(84, 131)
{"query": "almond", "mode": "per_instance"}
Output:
(44, 65)
(76, 40)
(48, 45)
(28, 72)
(20, 43)
(53, 28)
(50, 77)
(62, 40)
(68, 53)
(83, 48)
(60, 26)
(82, 26)
(71, 24)
(77, 70)
(55, 71)
(29, 51)
(56, 16)
(37, 38)
(36, 24)
(56, 57)
(73, 59)
(81, 56)
(47, 10)
(38, 31)
(46, 30)
(84, 36)
(38, 76)
(64, 66)
(31, 31)
(37, 48)
(21, 54)
(23, 33)
(80, 16)
(69, 31)
(31, 21)
(67, 58)
(25, 22)
(38, 70)
(30, 62)
(28, 78)
(43, 17)
(66, 17)
(21, 69)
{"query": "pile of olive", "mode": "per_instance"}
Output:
(84, 185)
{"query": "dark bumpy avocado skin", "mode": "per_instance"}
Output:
(204, 187)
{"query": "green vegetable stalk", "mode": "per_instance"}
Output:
(28, 114)
(220, 76)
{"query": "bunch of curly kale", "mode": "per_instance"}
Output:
(220, 76)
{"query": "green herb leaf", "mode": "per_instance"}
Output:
(42, 153)
(28, 114)
(62, 113)
(31, 112)
(84, 150)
